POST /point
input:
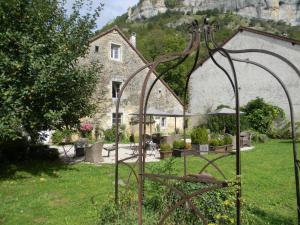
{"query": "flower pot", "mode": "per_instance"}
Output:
(200, 149)
(229, 148)
(218, 149)
(93, 153)
(165, 154)
(182, 152)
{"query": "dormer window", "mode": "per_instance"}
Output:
(115, 52)
(96, 49)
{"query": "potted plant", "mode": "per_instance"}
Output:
(165, 150)
(199, 138)
(178, 148)
(228, 142)
(217, 145)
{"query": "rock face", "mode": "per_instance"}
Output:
(286, 10)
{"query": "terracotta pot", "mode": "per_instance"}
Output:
(219, 149)
(165, 154)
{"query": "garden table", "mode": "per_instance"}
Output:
(67, 147)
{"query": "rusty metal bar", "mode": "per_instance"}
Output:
(294, 140)
(207, 31)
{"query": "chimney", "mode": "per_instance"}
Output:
(133, 39)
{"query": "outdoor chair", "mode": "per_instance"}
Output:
(112, 148)
(133, 145)
(245, 139)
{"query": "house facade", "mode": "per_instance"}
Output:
(119, 59)
(209, 87)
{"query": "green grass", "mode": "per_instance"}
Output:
(52, 193)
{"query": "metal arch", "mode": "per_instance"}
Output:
(207, 30)
(117, 129)
(163, 59)
(155, 81)
(291, 108)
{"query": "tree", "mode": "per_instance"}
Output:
(41, 84)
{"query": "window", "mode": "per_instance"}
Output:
(116, 86)
(115, 52)
(114, 118)
(163, 122)
(96, 49)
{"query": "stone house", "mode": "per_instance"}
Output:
(209, 87)
(120, 58)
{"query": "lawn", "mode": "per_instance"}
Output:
(53, 193)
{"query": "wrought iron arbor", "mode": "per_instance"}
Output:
(192, 50)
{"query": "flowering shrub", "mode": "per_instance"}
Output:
(86, 129)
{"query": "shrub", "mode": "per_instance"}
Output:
(164, 147)
(227, 139)
(43, 152)
(261, 115)
(178, 144)
(110, 135)
(258, 137)
(199, 136)
(217, 206)
(60, 135)
(216, 142)
(14, 150)
(225, 123)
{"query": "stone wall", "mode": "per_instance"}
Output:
(161, 97)
(209, 87)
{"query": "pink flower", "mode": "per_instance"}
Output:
(87, 127)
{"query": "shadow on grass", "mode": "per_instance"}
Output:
(23, 170)
(272, 218)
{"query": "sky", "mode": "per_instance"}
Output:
(112, 9)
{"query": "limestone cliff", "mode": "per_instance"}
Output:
(286, 10)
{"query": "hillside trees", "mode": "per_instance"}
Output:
(41, 85)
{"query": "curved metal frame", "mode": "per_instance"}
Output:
(291, 108)
(194, 46)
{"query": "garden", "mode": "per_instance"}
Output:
(46, 192)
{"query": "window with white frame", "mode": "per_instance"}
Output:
(163, 122)
(116, 86)
(115, 52)
(115, 119)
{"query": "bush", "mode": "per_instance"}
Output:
(43, 152)
(258, 137)
(110, 135)
(20, 150)
(217, 206)
(261, 115)
(199, 136)
(227, 139)
(61, 135)
(216, 142)
(164, 147)
(178, 144)
(217, 123)
(14, 150)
